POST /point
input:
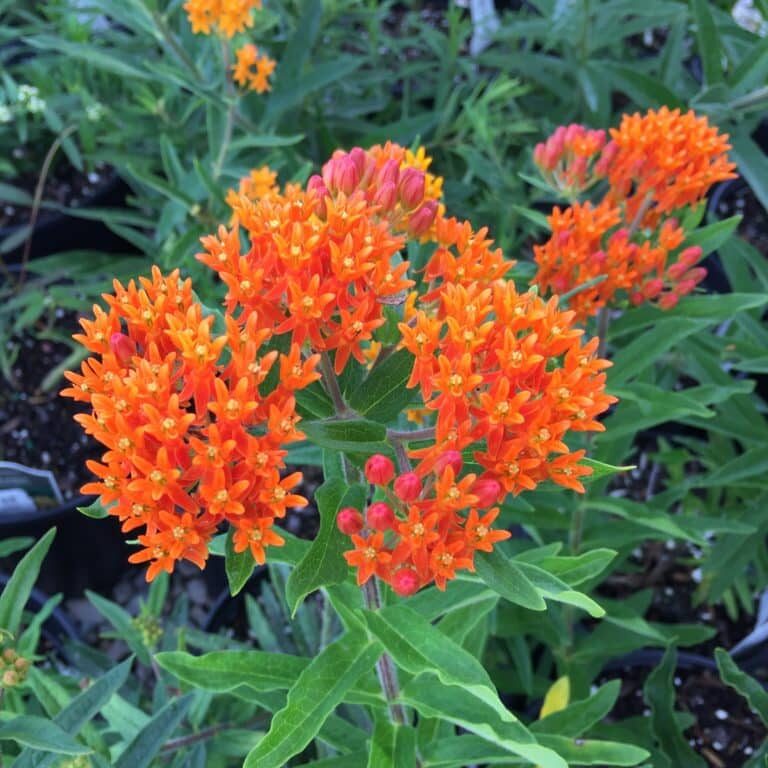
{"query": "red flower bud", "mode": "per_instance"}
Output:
(405, 582)
(422, 220)
(349, 521)
(389, 173)
(449, 458)
(668, 300)
(123, 347)
(487, 491)
(380, 516)
(411, 188)
(379, 470)
(408, 486)
(653, 288)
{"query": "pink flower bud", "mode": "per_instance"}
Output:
(379, 469)
(653, 288)
(690, 256)
(487, 491)
(422, 220)
(668, 300)
(122, 347)
(380, 516)
(317, 186)
(386, 196)
(349, 521)
(449, 459)
(407, 486)
(411, 188)
(346, 175)
(389, 172)
(405, 582)
(360, 158)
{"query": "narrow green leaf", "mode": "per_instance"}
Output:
(431, 698)
(19, 586)
(598, 753)
(576, 570)
(324, 562)
(600, 469)
(659, 694)
(320, 688)
(96, 510)
(708, 41)
(121, 620)
(392, 745)
(238, 565)
(711, 237)
(503, 576)
(144, 747)
(40, 733)
(81, 710)
(551, 588)
(580, 716)
(15, 544)
(742, 683)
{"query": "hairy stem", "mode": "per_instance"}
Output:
(406, 436)
(385, 667)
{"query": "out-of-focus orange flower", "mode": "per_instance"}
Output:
(252, 69)
(228, 17)
(628, 245)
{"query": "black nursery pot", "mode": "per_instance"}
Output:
(56, 232)
(85, 553)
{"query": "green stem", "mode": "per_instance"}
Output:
(385, 667)
(603, 321)
(173, 44)
(231, 111)
(576, 533)
(331, 383)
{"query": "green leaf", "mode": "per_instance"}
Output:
(40, 733)
(383, 395)
(15, 544)
(450, 672)
(551, 588)
(740, 681)
(19, 586)
(238, 565)
(225, 671)
(392, 745)
(320, 688)
(600, 469)
(14, 195)
(752, 162)
(347, 435)
(599, 753)
(96, 510)
(81, 710)
(711, 237)
(708, 41)
(659, 694)
(580, 716)
(581, 568)
(645, 90)
(431, 698)
(264, 141)
(121, 620)
(148, 742)
(324, 562)
(502, 575)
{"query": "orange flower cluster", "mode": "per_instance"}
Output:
(258, 183)
(191, 441)
(629, 242)
(323, 262)
(506, 376)
(588, 247)
(252, 69)
(228, 17)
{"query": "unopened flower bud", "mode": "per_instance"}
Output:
(487, 491)
(380, 516)
(653, 288)
(349, 521)
(123, 347)
(346, 175)
(405, 582)
(668, 300)
(389, 173)
(449, 459)
(408, 486)
(411, 188)
(386, 196)
(379, 469)
(422, 220)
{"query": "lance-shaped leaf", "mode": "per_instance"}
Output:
(383, 395)
(357, 436)
(320, 688)
(239, 566)
(40, 733)
(324, 561)
(741, 682)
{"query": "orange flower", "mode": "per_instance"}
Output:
(370, 556)
(252, 70)
(227, 16)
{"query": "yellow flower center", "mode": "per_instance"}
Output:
(157, 477)
(221, 497)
